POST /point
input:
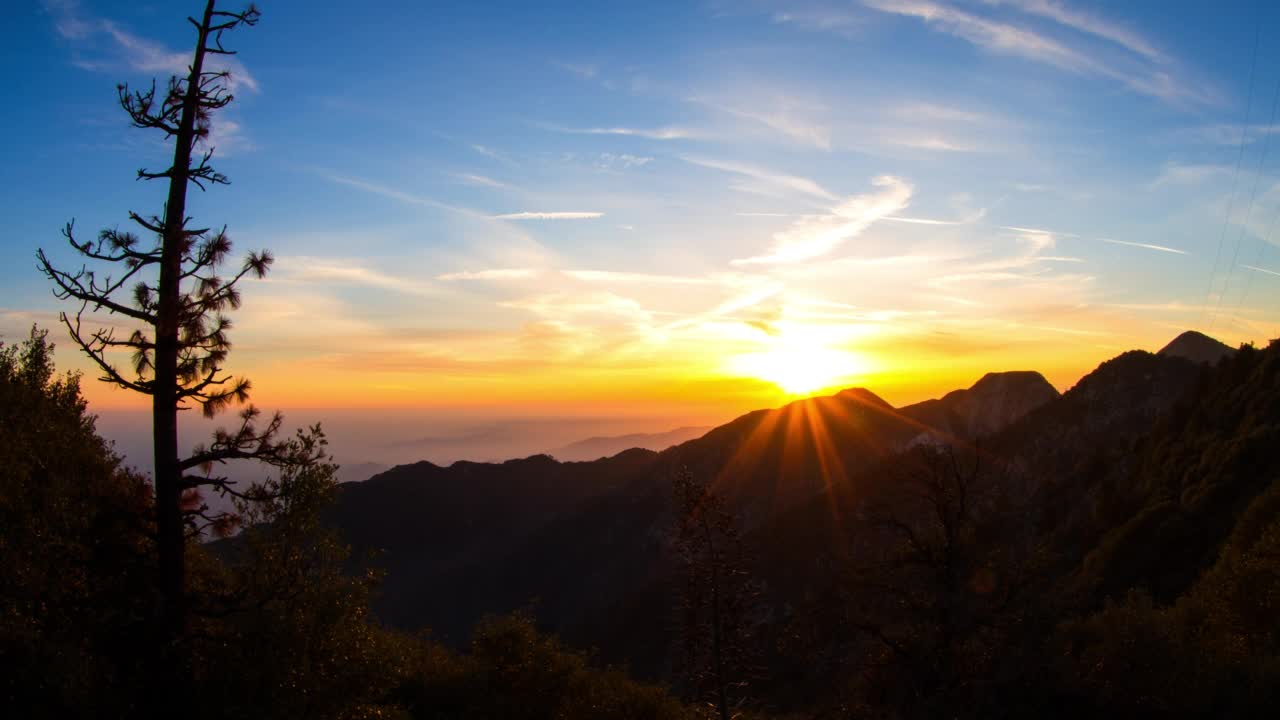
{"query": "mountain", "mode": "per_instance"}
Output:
(424, 520)
(600, 447)
(357, 472)
(1127, 523)
(994, 402)
(589, 539)
(1197, 347)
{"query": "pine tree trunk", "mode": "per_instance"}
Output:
(164, 407)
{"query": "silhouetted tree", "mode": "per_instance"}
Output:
(948, 558)
(174, 299)
(715, 597)
(74, 547)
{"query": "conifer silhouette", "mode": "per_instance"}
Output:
(170, 290)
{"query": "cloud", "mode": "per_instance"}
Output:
(967, 220)
(926, 141)
(493, 274)
(490, 153)
(1175, 174)
(1261, 270)
(226, 137)
(659, 133)
(1037, 231)
(790, 183)
(391, 193)
(548, 216)
(623, 161)
(1086, 23)
(1147, 246)
(813, 237)
(934, 111)
(749, 298)
(568, 306)
(585, 71)
(1230, 134)
(782, 118)
(1005, 39)
(326, 271)
(610, 276)
(479, 180)
(824, 20)
(985, 33)
(147, 56)
(67, 20)
(137, 52)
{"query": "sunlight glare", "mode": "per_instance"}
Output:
(800, 366)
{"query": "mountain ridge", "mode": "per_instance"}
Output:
(1197, 347)
(602, 446)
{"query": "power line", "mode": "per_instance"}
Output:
(1257, 261)
(1253, 195)
(1235, 175)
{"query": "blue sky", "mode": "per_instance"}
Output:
(703, 206)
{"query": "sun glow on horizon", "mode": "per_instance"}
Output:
(800, 364)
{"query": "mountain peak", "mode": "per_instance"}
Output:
(1197, 347)
(864, 396)
(1012, 378)
(991, 404)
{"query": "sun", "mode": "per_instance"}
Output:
(800, 366)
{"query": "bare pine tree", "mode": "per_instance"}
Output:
(171, 291)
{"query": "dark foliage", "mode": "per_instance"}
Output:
(279, 629)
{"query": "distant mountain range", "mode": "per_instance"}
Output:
(588, 543)
(600, 447)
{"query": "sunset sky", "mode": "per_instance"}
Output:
(687, 209)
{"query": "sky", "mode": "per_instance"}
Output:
(679, 211)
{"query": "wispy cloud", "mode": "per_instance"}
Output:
(1146, 246)
(492, 274)
(1037, 231)
(1229, 134)
(813, 237)
(390, 192)
(1176, 174)
(1261, 270)
(926, 141)
(134, 51)
(1006, 39)
(624, 161)
(479, 180)
(611, 276)
(750, 297)
(781, 116)
(967, 220)
(782, 181)
(1086, 23)
(327, 271)
(840, 22)
(935, 111)
(658, 133)
(583, 70)
(490, 153)
(548, 216)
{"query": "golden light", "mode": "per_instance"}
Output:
(800, 365)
